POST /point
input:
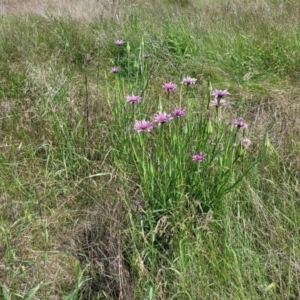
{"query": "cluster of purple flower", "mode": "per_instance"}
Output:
(160, 118)
(170, 86)
(163, 117)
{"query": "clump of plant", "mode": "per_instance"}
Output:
(191, 151)
(183, 150)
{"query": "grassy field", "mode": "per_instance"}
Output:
(115, 185)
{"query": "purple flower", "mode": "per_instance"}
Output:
(239, 123)
(133, 98)
(218, 102)
(169, 86)
(143, 125)
(119, 42)
(162, 117)
(146, 55)
(178, 112)
(198, 157)
(114, 70)
(219, 93)
(189, 80)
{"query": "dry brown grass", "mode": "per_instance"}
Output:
(87, 9)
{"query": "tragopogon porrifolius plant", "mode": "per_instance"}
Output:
(190, 151)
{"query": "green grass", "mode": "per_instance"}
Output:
(92, 210)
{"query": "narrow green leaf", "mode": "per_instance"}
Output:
(5, 293)
(31, 293)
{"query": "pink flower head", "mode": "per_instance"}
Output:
(189, 80)
(239, 123)
(198, 157)
(162, 117)
(133, 98)
(218, 102)
(143, 125)
(146, 55)
(119, 42)
(219, 93)
(169, 86)
(114, 70)
(178, 112)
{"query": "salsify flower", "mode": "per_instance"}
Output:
(189, 80)
(143, 125)
(162, 117)
(169, 86)
(198, 157)
(133, 98)
(178, 112)
(239, 123)
(220, 93)
(146, 55)
(119, 42)
(218, 102)
(114, 70)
